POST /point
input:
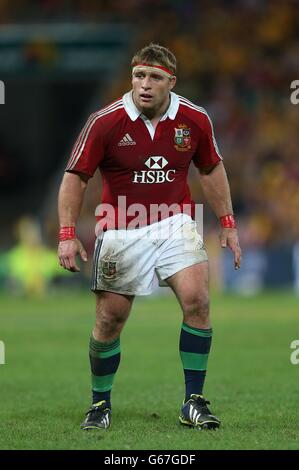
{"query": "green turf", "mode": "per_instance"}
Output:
(44, 385)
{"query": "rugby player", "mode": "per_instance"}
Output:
(143, 145)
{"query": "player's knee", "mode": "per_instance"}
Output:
(198, 307)
(108, 324)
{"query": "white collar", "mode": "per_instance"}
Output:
(133, 112)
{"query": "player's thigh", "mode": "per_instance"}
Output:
(191, 286)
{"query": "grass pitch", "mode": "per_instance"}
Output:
(44, 385)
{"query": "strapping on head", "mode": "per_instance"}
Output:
(150, 68)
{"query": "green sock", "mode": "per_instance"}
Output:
(104, 362)
(195, 346)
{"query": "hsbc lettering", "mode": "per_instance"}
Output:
(153, 176)
(156, 174)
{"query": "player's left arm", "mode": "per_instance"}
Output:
(216, 190)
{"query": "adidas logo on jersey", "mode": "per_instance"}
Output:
(126, 140)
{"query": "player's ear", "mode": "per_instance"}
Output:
(172, 82)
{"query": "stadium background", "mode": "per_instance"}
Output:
(60, 61)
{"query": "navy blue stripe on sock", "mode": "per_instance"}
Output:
(194, 382)
(99, 396)
(105, 366)
(194, 344)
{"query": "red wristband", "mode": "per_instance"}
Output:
(67, 233)
(228, 221)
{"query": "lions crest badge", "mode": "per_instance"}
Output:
(108, 269)
(182, 138)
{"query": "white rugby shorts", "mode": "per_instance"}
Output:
(126, 261)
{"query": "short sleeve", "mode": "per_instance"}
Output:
(88, 150)
(207, 152)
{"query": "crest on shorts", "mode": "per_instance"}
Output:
(182, 138)
(108, 267)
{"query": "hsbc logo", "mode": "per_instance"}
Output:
(153, 176)
(156, 174)
(156, 163)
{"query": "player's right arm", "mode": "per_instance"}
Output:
(86, 155)
(70, 198)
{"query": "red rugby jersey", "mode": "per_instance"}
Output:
(146, 166)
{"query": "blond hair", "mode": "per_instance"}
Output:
(154, 54)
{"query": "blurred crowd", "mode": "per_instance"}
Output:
(236, 58)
